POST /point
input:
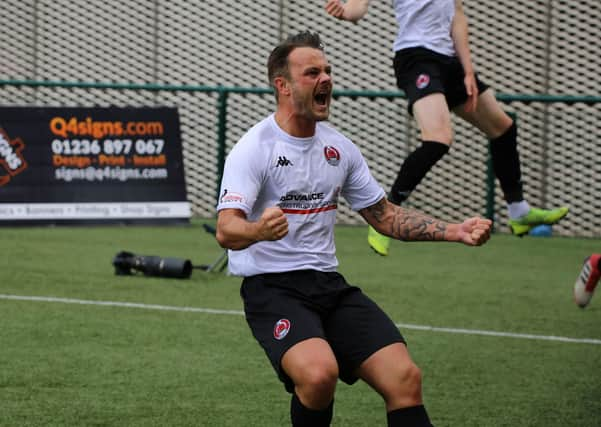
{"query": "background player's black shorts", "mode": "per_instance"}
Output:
(283, 309)
(421, 72)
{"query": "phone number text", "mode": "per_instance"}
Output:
(82, 147)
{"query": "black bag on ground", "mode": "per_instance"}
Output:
(151, 265)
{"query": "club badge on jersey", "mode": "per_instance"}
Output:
(332, 155)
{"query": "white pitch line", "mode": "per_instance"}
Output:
(241, 313)
(499, 334)
(121, 304)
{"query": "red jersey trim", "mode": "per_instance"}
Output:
(309, 211)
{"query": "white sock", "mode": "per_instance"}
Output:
(518, 209)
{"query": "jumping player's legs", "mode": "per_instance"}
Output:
(433, 118)
(434, 85)
(421, 75)
(488, 117)
(434, 121)
(492, 120)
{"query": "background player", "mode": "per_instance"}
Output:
(587, 280)
(433, 67)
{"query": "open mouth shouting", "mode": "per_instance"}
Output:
(322, 97)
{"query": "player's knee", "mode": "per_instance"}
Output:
(410, 378)
(506, 136)
(413, 378)
(441, 131)
(501, 125)
(443, 136)
(406, 388)
(319, 379)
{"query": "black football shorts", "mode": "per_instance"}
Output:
(421, 72)
(283, 309)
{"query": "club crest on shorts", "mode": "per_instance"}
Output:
(281, 329)
(332, 155)
(422, 81)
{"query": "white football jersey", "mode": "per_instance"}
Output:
(425, 23)
(305, 178)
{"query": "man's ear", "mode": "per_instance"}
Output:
(282, 85)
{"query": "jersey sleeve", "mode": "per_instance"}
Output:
(241, 179)
(361, 189)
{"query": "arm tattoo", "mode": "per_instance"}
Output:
(413, 225)
(407, 224)
(378, 210)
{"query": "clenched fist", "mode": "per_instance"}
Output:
(335, 8)
(273, 224)
(474, 231)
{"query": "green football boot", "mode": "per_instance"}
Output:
(534, 217)
(378, 242)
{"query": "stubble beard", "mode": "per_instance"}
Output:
(304, 108)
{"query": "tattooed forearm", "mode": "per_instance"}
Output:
(412, 225)
(404, 224)
(378, 210)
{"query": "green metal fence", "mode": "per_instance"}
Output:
(224, 136)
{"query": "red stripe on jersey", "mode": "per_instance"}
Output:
(309, 211)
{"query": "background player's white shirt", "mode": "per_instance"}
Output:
(425, 23)
(304, 177)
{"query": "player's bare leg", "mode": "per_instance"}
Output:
(394, 375)
(312, 366)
